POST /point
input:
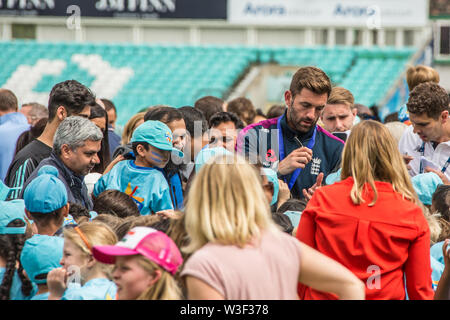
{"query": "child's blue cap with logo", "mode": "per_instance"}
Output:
(10, 211)
(40, 255)
(156, 134)
(46, 193)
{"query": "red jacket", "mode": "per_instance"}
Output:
(379, 244)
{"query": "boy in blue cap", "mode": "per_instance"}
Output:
(40, 255)
(14, 285)
(46, 201)
(152, 146)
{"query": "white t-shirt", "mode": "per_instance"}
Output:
(411, 144)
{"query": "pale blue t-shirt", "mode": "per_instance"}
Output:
(437, 263)
(15, 293)
(95, 289)
(42, 296)
(151, 190)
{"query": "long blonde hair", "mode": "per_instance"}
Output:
(95, 233)
(371, 154)
(226, 204)
(166, 288)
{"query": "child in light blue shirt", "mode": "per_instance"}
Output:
(40, 255)
(81, 277)
(14, 285)
(152, 146)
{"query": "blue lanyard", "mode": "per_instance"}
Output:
(310, 145)
(422, 153)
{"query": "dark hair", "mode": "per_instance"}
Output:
(441, 204)
(109, 105)
(275, 111)
(441, 201)
(46, 218)
(10, 249)
(292, 205)
(72, 95)
(164, 114)
(78, 211)
(429, 98)
(104, 155)
(153, 221)
(134, 145)
(311, 78)
(191, 116)
(222, 117)
(117, 203)
(243, 108)
(8, 100)
(27, 136)
(283, 221)
(209, 105)
(392, 117)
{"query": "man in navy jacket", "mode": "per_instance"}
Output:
(294, 145)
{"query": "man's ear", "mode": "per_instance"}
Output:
(354, 112)
(288, 98)
(61, 113)
(444, 116)
(65, 151)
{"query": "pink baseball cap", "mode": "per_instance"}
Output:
(152, 244)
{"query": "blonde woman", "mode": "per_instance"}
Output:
(371, 221)
(237, 250)
(146, 261)
(79, 265)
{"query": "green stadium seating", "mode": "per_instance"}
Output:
(178, 75)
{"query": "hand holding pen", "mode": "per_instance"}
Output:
(298, 158)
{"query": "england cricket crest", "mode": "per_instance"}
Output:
(315, 166)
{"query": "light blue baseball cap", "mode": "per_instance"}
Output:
(333, 177)
(272, 177)
(425, 184)
(207, 153)
(10, 211)
(46, 193)
(294, 216)
(157, 134)
(40, 255)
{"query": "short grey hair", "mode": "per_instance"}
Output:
(75, 131)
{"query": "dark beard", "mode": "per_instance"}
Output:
(293, 123)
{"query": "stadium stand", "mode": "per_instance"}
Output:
(137, 76)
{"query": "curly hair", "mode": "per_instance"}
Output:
(429, 98)
(11, 246)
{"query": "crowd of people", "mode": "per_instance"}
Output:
(314, 199)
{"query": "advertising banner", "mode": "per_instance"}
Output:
(358, 13)
(152, 9)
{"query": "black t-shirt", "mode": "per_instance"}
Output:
(24, 163)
